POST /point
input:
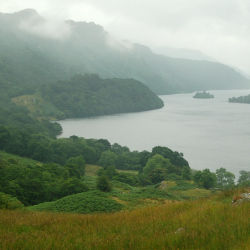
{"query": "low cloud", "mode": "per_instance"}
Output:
(220, 29)
(46, 28)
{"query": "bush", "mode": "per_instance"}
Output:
(87, 202)
(9, 202)
(127, 178)
(103, 184)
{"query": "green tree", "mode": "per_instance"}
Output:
(205, 179)
(118, 149)
(9, 202)
(103, 184)
(157, 168)
(72, 186)
(76, 166)
(244, 179)
(176, 158)
(4, 137)
(225, 179)
(107, 159)
(157, 175)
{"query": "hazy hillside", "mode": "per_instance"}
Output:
(36, 51)
(183, 53)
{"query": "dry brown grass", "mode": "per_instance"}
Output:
(208, 224)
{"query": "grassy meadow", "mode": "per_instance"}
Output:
(212, 223)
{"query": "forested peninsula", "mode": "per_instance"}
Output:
(89, 95)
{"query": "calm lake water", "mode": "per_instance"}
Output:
(211, 133)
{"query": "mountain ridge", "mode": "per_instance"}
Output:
(55, 51)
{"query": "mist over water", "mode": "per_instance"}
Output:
(212, 133)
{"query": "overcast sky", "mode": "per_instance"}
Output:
(219, 28)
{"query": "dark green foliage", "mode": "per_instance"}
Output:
(205, 179)
(240, 99)
(32, 182)
(156, 161)
(203, 95)
(16, 117)
(107, 159)
(9, 202)
(89, 95)
(157, 168)
(175, 157)
(46, 149)
(224, 178)
(72, 186)
(118, 149)
(76, 166)
(157, 175)
(103, 184)
(87, 202)
(109, 172)
(131, 179)
(244, 179)
(129, 161)
(144, 180)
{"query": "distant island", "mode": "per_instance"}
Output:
(203, 95)
(240, 99)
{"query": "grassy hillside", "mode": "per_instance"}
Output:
(203, 224)
(122, 197)
(55, 187)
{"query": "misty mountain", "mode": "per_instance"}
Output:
(183, 53)
(35, 51)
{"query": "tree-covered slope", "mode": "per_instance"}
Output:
(33, 182)
(34, 51)
(90, 95)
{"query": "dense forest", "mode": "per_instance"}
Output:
(89, 95)
(240, 99)
(60, 169)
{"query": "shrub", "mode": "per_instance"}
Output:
(9, 202)
(103, 184)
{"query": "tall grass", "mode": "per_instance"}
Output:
(207, 224)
